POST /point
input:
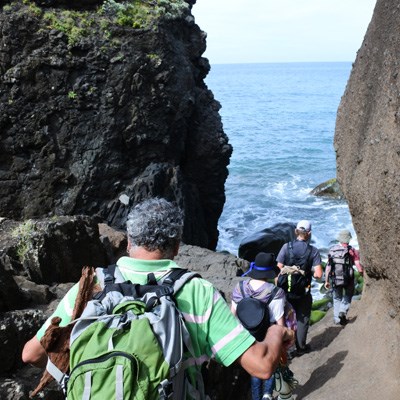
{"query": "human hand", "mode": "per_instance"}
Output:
(289, 338)
(327, 285)
(287, 335)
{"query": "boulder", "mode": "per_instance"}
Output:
(330, 189)
(220, 268)
(38, 253)
(16, 328)
(269, 240)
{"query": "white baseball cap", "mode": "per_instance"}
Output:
(304, 225)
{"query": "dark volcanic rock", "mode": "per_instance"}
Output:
(96, 116)
(329, 188)
(220, 268)
(16, 328)
(269, 240)
(36, 254)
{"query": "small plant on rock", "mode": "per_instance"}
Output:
(24, 233)
(72, 95)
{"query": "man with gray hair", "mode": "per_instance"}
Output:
(154, 230)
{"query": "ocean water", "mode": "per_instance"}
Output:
(280, 120)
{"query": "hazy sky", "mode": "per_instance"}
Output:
(283, 30)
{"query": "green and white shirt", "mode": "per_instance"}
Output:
(215, 332)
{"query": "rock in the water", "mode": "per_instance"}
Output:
(329, 188)
(269, 240)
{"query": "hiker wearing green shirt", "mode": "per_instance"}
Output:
(154, 230)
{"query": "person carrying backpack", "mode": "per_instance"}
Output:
(154, 230)
(260, 272)
(299, 261)
(339, 275)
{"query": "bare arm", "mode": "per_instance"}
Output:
(359, 267)
(318, 271)
(327, 272)
(34, 353)
(261, 359)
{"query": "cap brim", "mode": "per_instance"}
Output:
(271, 274)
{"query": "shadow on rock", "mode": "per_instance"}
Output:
(319, 342)
(322, 374)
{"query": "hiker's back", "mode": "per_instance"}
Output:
(341, 262)
(299, 253)
(129, 343)
(295, 277)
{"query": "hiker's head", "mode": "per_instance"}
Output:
(344, 236)
(155, 225)
(263, 268)
(303, 229)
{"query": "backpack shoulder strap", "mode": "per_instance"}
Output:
(241, 288)
(308, 254)
(291, 254)
(350, 252)
(108, 275)
(265, 293)
(273, 293)
(178, 277)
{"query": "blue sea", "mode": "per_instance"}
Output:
(280, 120)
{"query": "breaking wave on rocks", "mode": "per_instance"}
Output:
(280, 120)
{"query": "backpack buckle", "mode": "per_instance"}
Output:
(165, 390)
(108, 279)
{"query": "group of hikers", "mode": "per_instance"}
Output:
(114, 354)
(291, 273)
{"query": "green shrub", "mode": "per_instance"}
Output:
(142, 13)
(321, 304)
(316, 315)
(74, 24)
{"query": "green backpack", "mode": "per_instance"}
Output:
(129, 342)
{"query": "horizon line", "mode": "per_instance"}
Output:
(277, 62)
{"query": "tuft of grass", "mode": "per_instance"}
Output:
(75, 24)
(24, 233)
(33, 7)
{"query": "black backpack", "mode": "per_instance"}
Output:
(301, 260)
(342, 271)
(253, 313)
(295, 284)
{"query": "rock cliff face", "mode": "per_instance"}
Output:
(367, 142)
(100, 108)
